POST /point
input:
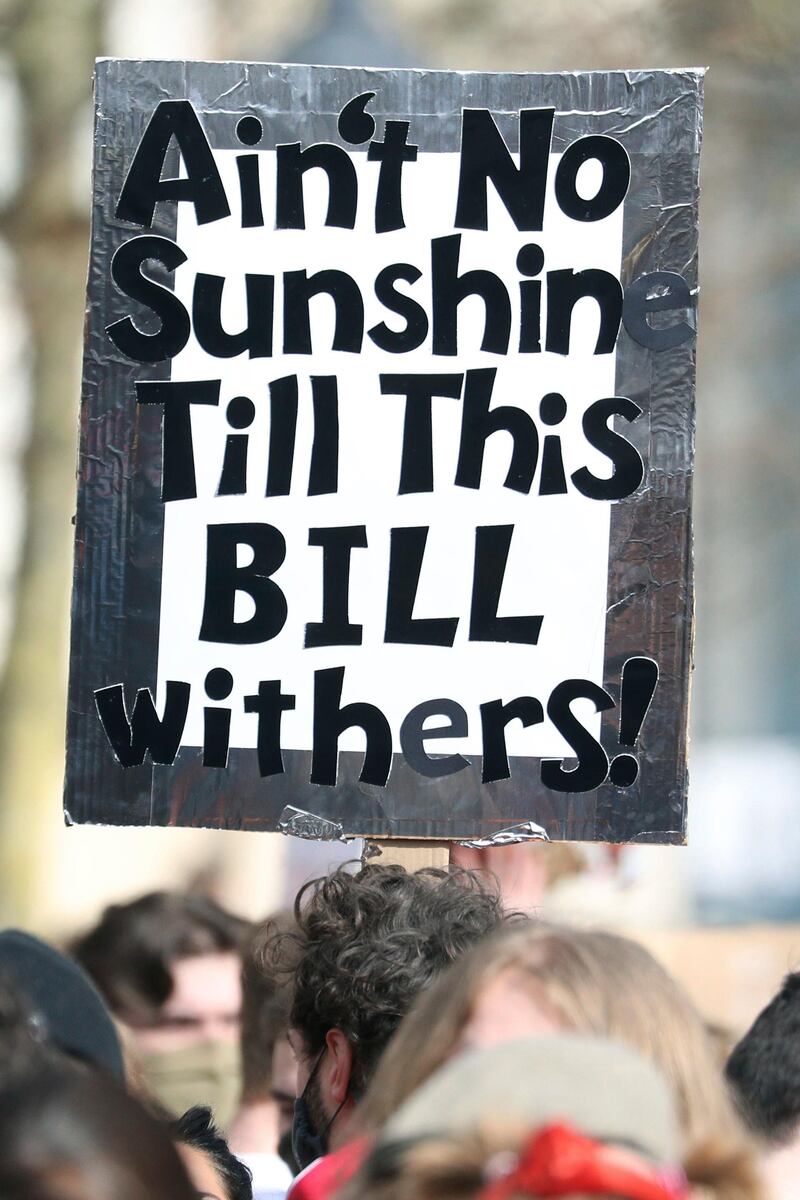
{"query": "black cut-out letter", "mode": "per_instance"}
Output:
(492, 544)
(335, 628)
(330, 722)
(657, 292)
(233, 476)
(144, 187)
(494, 717)
(405, 566)
(484, 156)
(217, 721)
(270, 703)
(391, 153)
(414, 315)
(530, 316)
(637, 688)
(255, 338)
(565, 289)
(552, 480)
(250, 190)
(628, 468)
(449, 289)
(298, 290)
(323, 471)
(126, 271)
(145, 731)
(530, 261)
(479, 422)
(592, 767)
(224, 578)
(613, 158)
(416, 464)
(413, 736)
(216, 736)
(282, 432)
(292, 163)
(178, 480)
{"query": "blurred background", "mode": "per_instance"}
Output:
(721, 913)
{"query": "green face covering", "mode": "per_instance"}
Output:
(208, 1073)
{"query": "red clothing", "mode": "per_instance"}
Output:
(323, 1179)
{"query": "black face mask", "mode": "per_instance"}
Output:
(309, 1144)
(286, 1152)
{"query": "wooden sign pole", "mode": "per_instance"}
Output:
(411, 853)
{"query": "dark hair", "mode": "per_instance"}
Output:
(196, 1128)
(266, 1001)
(63, 1004)
(129, 953)
(764, 1068)
(368, 943)
(64, 1126)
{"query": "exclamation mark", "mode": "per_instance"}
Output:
(639, 679)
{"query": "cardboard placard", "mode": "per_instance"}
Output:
(383, 517)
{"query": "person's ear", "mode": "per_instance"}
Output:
(339, 1065)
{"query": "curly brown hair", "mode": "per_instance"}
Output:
(368, 943)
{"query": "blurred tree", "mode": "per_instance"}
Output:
(51, 45)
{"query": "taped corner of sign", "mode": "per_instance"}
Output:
(526, 831)
(662, 837)
(296, 822)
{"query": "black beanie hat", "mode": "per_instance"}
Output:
(62, 997)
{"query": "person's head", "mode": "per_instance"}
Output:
(534, 979)
(268, 1066)
(216, 1173)
(366, 945)
(169, 967)
(48, 1004)
(567, 1115)
(764, 1068)
(69, 1134)
(23, 1043)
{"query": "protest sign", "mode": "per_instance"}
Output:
(383, 518)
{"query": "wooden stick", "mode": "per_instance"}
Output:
(411, 853)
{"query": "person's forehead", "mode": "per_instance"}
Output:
(208, 983)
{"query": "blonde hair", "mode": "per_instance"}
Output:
(593, 982)
(455, 1168)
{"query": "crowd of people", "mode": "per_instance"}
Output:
(398, 1036)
